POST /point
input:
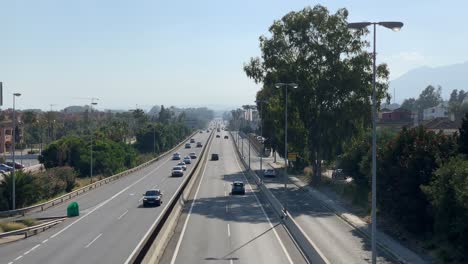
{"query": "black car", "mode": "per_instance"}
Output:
(152, 197)
(226, 137)
(218, 136)
(214, 156)
(238, 187)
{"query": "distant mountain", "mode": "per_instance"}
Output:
(413, 82)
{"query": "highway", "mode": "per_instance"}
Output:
(338, 241)
(111, 224)
(217, 227)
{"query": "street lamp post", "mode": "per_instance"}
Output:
(13, 134)
(261, 102)
(395, 26)
(91, 148)
(154, 139)
(294, 86)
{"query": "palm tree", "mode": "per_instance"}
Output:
(24, 188)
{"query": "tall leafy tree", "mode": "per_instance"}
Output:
(315, 49)
(429, 97)
(409, 104)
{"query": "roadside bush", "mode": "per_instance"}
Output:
(448, 194)
(404, 164)
(11, 226)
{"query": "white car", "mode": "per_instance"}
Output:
(177, 171)
(182, 164)
(176, 156)
(269, 173)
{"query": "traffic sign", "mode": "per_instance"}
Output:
(292, 156)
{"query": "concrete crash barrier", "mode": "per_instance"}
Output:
(68, 196)
(310, 251)
(151, 247)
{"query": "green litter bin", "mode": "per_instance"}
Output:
(73, 210)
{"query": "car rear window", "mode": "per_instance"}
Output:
(239, 184)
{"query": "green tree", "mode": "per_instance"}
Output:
(448, 194)
(315, 49)
(404, 165)
(429, 97)
(409, 104)
(24, 188)
(463, 138)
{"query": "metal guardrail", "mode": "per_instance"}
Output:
(68, 196)
(138, 255)
(31, 229)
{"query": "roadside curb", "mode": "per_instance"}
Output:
(297, 182)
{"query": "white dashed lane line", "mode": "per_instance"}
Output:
(94, 240)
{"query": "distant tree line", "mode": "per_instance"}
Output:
(119, 141)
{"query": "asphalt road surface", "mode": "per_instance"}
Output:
(111, 223)
(338, 241)
(217, 227)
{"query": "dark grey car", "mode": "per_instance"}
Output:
(152, 197)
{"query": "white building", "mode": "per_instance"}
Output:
(440, 110)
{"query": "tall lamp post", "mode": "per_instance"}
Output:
(91, 149)
(260, 103)
(395, 26)
(13, 135)
(286, 86)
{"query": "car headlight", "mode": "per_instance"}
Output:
(145, 199)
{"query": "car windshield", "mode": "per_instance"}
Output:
(238, 184)
(177, 168)
(152, 193)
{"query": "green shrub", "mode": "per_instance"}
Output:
(11, 226)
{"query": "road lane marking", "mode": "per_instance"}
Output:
(45, 241)
(305, 234)
(90, 243)
(108, 200)
(229, 230)
(263, 210)
(18, 258)
(147, 233)
(179, 242)
(27, 252)
(230, 261)
(122, 215)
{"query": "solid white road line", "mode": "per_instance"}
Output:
(179, 242)
(229, 230)
(92, 241)
(45, 241)
(108, 200)
(263, 210)
(18, 258)
(312, 242)
(122, 215)
(147, 233)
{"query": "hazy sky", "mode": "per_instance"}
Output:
(129, 53)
